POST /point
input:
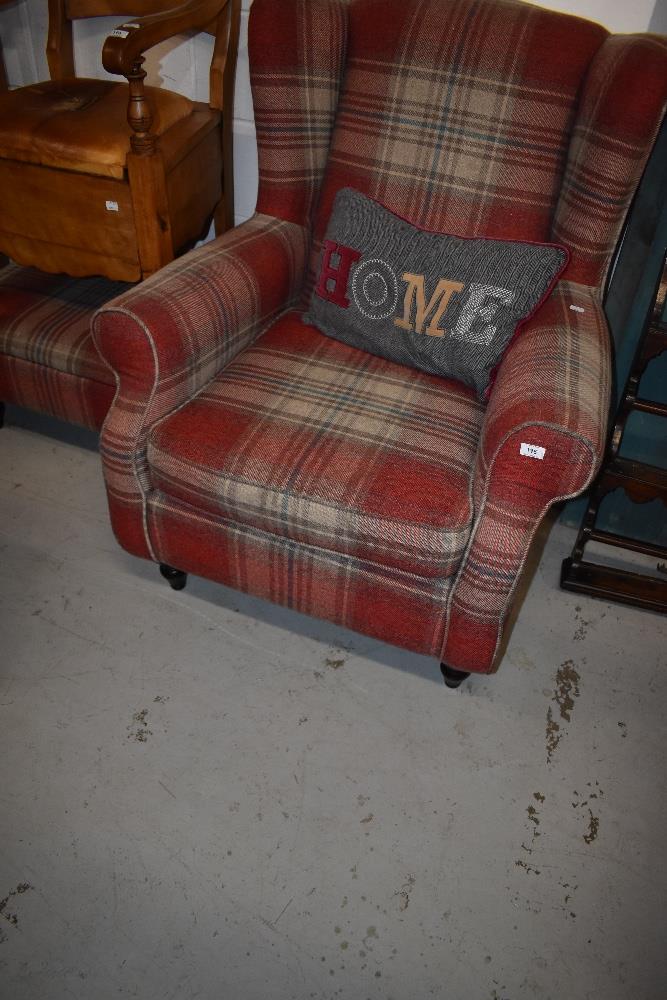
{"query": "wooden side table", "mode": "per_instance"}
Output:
(641, 482)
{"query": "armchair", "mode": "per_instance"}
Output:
(245, 446)
(102, 178)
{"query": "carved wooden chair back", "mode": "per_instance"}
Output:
(224, 28)
(80, 191)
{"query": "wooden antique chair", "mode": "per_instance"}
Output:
(101, 184)
(102, 178)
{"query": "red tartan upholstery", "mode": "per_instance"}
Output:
(306, 438)
(171, 334)
(387, 603)
(620, 110)
(48, 361)
(245, 446)
(552, 390)
(458, 135)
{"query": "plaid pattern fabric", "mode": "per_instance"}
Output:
(493, 119)
(380, 601)
(171, 334)
(310, 439)
(297, 51)
(622, 105)
(48, 361)
(68, 397)
(456, 115)
(45, 319)
(552, 391)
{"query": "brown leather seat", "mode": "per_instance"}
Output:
(101, 178)
(79, 124)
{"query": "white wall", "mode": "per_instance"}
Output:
(18, 43)
(617, 15)
(659, 19)
(182, 64)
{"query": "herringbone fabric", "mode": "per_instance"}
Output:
(557, 371)
(306, 438)
(171, 334)
(551, 392)
(383, 307)
(68, 397)
(45, 319)
(298, 57)
(623, 102)
(48, 361)
(270, 467)
(457, 115)
(381, 601)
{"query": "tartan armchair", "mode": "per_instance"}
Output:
(245, 446)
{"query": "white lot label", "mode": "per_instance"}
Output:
(119, 33)
(532, 450)
(112, 206)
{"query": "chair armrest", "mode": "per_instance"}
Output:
(552, 393)
(167, 337)
(131, 39)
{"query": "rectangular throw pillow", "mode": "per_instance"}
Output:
(447, 305)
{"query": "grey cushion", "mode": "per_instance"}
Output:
(444, 304)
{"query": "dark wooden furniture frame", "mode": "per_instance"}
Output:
(641, 482)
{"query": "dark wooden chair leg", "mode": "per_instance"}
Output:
(176, 577)
(453, 677)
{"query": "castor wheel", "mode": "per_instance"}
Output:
(453, 677)
(177, 577)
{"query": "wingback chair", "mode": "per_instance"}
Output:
(247, 447)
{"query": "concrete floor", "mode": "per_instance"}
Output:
(204, 796)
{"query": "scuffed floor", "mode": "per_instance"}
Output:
(204, 796)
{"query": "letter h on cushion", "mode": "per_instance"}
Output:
(249, 447)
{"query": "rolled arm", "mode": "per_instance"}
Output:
(167, 337)
(542, 440)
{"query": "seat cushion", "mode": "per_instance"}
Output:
(319, 442)
(79, 124)
(45, 319)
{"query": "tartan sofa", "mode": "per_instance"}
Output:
(246, 447)
(48, 361)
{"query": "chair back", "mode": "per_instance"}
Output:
(225, 29)
(463, 117)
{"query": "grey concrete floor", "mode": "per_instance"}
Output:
(204, 796)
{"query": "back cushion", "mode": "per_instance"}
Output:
(456, 114)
